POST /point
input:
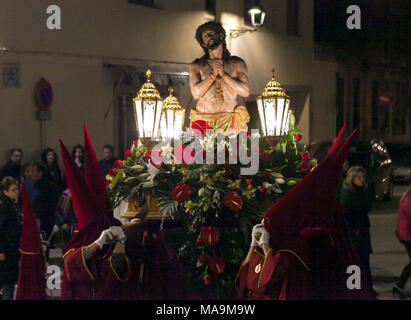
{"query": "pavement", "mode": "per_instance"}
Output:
(389, 256)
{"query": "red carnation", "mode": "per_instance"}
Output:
(183, 153)
(181, 192)
(202, 259)
(305, 156)
(298, 137)
(304, 164)
(118, 164)
(264, 156)
(210, 236)
(199, 242)
(153, 157)
(207, 280)
(112, 172)
(135, 142)
(127, 154)
(107, 183)
(265, 175)
(200, 127)
(233, 201)
(262, 189)
(216, 264)
(250, 182)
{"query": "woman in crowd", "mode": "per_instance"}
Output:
(78, 156)
(10, 229)
(355, 204)
(53, 172)
(404, 235)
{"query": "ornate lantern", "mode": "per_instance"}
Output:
(257, 15)
(172, 117)
(147, 111)
(275, 114)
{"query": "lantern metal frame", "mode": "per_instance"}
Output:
(147, 132)
(169, 128)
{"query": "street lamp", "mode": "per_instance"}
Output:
(257, 15)
(172, 117)
(147, 111)
(274, 111)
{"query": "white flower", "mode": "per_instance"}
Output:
(152, 171)
(277, 190)
(201, 192)
(255, 135)
(279, 180)
(277, 175)
(267, 185)
(216, 197)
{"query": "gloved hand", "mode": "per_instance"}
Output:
(118, 234)
(265, 236)
(106, 237)
(255, 236)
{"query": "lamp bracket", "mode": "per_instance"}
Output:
(235, 33)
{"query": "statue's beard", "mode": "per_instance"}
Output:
(214, 44)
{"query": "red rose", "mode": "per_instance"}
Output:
(305, 156)
(135, 142)
(250, 182)
(181, 192)
(233, 201)
(127, 154)
(118, 164)
(207, 280)
(210, 236)
(200, 127)
(184, 154)
(112, 172)
(107, 183)
(298, 137)
(216, 264)
(154, 157)
(248, 133)
(202, 259)
(265, 175)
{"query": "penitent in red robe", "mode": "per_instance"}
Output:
(281, 275)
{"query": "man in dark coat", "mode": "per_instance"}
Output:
(45, 202)
(10, 229)
(108, 162)
(13, 167)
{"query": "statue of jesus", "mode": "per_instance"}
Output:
(216, 79)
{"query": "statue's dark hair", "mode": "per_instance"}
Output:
(218, 28)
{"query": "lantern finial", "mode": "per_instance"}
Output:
(170, 89)
(148, 74)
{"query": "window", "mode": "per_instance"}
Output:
(210, 7)
(374, 105)
(356, 103)
(340, 103)
(293, 17)
(148, 3)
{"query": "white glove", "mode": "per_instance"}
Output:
(118, 234)
(265, 236)
(255, 236)
(106, 237)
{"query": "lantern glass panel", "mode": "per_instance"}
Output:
(270, 116)
(170, 123)
(280, 114)
(139, 116)
(157, 119)
(149, 113)
(178, 122)
(262, 118)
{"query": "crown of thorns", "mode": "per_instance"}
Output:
(211, 25)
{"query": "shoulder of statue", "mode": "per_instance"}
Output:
(236, 59)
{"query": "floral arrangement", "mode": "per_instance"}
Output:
(215, 205)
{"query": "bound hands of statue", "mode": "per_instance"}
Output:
(217, 66)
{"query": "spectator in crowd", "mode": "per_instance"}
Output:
(65, 219)
(355, 204)
(53, 172)
(10, 229)
(31, 190)
(404, 235)
(45, 201)
(78, 156)
(108, 162)
(13, 167)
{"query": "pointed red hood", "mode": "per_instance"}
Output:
(86, 206)
(309, 202)
(30, 236)
(93, 176)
